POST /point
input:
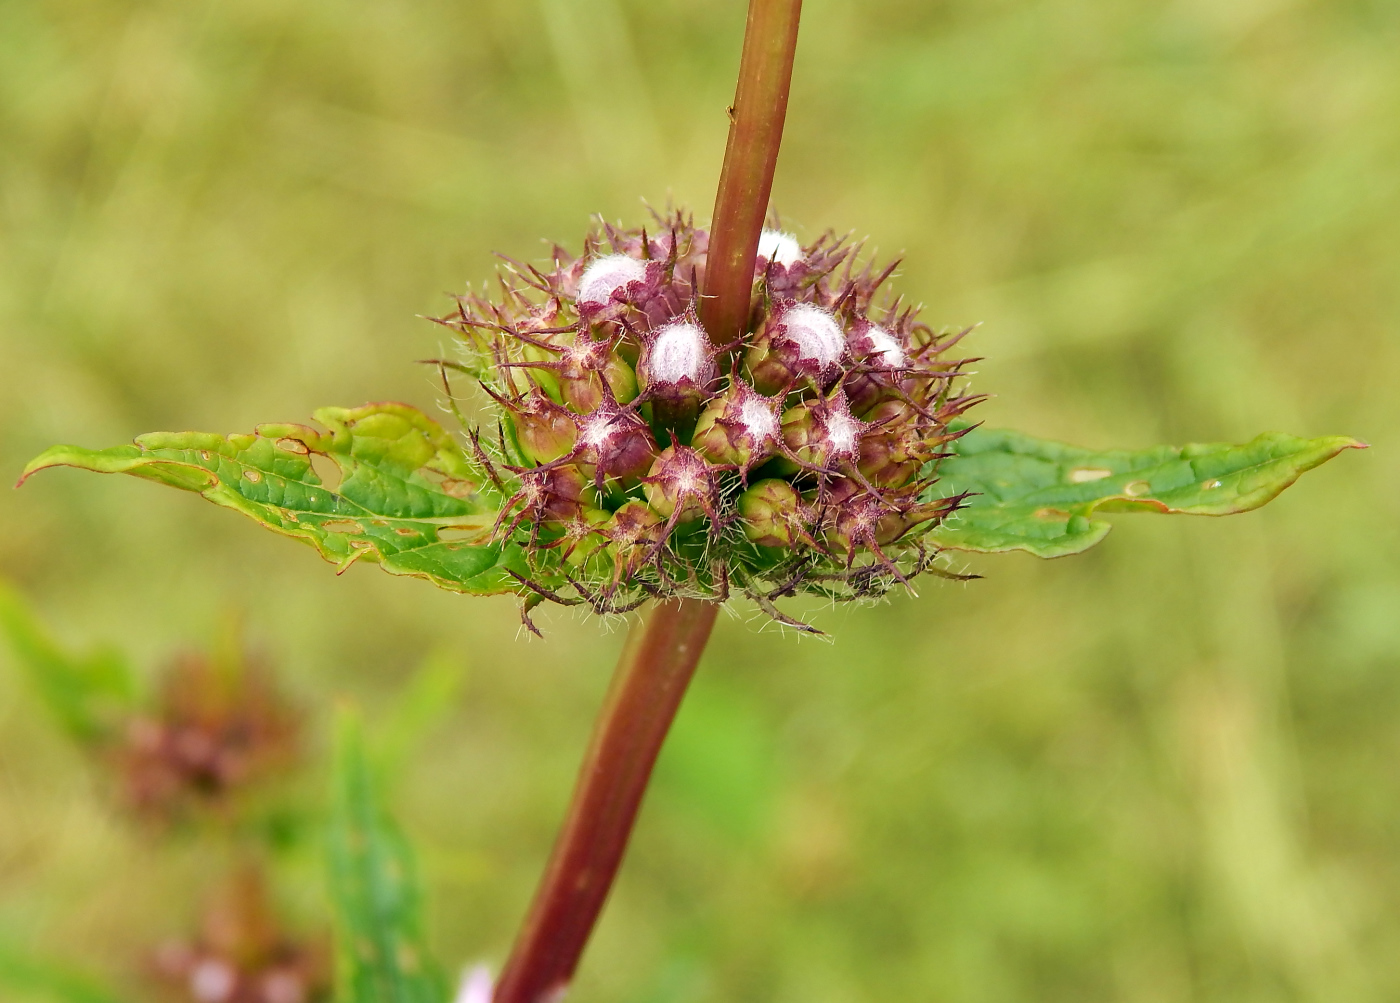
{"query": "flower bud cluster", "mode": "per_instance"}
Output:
(638, 458)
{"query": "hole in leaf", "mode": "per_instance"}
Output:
(293, 446)
(1082, 475)
(327, 470)
(1135, 488)
(252, 475)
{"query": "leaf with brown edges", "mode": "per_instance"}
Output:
(1040, 496)
(408, 496)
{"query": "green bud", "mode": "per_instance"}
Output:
(738, 427)
(544, 430)
(773, 514)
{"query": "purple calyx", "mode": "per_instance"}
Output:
(740, 427)
(823, 434)
(682, 485)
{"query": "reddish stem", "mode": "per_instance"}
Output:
(662, 651)
(664, 647)
(746, 181)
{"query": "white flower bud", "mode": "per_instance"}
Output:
(880, 343)
(841, 431)
(678, 352)
(816, 334)
(756, 412)
(779, 248)
(606, 275)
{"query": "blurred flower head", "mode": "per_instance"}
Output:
(216, 729)
(243, 954)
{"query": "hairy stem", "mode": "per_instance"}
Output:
(662, 651)
(745, 182)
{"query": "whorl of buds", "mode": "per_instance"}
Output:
(216, 730)
(638, 459)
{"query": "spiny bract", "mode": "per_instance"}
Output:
(638, 459)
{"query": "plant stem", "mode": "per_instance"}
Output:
(746, 181)
(664, 646)
(660, 656)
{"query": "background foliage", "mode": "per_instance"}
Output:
(1161, 772)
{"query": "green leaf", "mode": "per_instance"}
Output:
(86, 694)
(1039, 496)
(410, 499)
(408, 496)
(381, 955)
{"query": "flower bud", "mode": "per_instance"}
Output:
(892, 448)
(615, 443)
(823, 432)
(855, 517)
(677, 363)
(876, 345)
(777, 248)
(796, 341)
(552, 496)
(881, 360)
(773, 514)
(620, 378)
(635, 533)
(610, 281)
(682, 486)
(544, 430)
(864, 520)
(739, 427)
(584, 365)
(583, 536)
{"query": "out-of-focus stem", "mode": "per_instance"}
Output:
(662, 650)
(755, 132)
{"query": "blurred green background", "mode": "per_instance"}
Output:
(1165, 771)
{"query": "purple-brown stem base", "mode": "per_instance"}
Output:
(662, 651)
